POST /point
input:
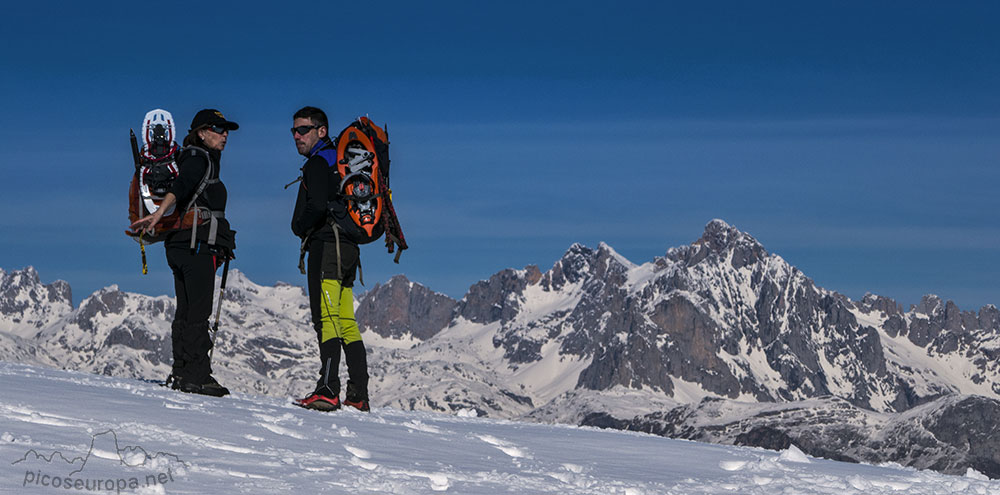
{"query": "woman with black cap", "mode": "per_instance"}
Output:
(194, 253)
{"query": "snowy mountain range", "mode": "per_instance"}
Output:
(717, 341)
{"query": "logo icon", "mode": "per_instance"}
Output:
(106, 466)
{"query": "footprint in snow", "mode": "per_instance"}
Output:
(420, 426)
(359, 456)
(359, 453)
(570, 474)
(41, 418)
(343, 432)
(505, 447)
(732, 465)
(282, 431)
(279, 419)
(439, 482)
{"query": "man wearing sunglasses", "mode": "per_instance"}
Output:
(333, 264)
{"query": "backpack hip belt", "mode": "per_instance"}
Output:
(212, 217)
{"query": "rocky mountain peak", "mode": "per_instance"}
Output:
(400, 307)
(239, 287)
(499, 297)
(26, 276)
(397, 280)
(719, 236)
(12, 283)
(606, 253)
(610, 266)
(571, 268)
(929, 305)
(874, 302)
(718, 242)
(105, 302)
(27, 304)
(236, 278)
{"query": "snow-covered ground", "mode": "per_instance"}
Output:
(89, 433)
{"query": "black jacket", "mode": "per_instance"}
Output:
(318, 193)
(191, 169)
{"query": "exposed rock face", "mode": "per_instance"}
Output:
(401, 308)
(496, 299)
(721, 313)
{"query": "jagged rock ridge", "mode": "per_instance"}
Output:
(595, 339)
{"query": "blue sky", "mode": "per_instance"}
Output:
(858, 141)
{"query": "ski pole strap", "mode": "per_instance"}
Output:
(302, 255)
(303, 248)
(390, 240)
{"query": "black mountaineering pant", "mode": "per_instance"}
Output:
(194, 283)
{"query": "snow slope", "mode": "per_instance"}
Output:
(126, 436)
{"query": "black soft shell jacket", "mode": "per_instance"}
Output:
(317, 193)
(191, 169)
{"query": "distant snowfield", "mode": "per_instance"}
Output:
(69, 432)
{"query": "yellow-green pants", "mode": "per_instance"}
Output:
(337, 311)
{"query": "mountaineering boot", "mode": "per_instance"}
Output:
(356, 396)
(326, 396)
(319, 402)
(173, 381)
(212, 387)
(208, 387)
(354, 354)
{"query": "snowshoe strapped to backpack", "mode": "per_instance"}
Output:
(155, 171)
(363, 165)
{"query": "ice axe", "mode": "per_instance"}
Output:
(218, 308)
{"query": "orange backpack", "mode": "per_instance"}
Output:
(363, 165)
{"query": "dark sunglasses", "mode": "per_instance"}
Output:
(302, 130)
(218, 129)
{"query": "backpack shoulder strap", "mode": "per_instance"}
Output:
(206, 180)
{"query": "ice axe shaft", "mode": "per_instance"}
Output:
(135, 150)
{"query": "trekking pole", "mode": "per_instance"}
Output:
(218, 309)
